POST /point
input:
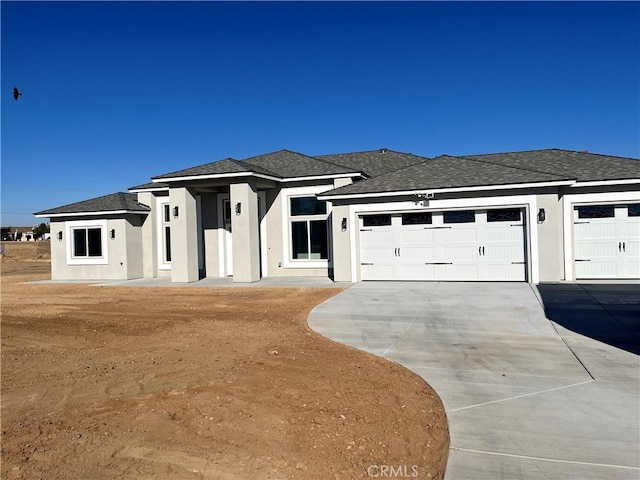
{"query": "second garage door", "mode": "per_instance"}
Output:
(449, 245)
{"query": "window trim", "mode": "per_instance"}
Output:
(161, 203)
(287, 219)
(87, 224)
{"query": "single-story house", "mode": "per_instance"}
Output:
(532, 216)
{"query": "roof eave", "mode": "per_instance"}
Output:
(148, 189)
(218, 176)
(603, 183)
(214, 176)
(423, 191)
(92, 214)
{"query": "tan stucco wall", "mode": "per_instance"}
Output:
(246, 246)
(149, 235)
(274, 226)
(124, 252)
(550, 238)
(184, 236)
(340, 243)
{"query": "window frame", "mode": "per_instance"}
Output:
(163, 224)
(287, 227)
(307, 220)
(71, 227)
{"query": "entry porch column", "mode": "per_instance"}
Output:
(245, 225)
(184, 235)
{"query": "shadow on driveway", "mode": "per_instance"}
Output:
(608, 313)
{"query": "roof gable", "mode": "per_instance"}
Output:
(115, 202)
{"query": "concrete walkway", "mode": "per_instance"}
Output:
(526, 398)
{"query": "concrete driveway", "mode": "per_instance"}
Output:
(526, 397)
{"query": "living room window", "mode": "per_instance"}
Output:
(308, 227)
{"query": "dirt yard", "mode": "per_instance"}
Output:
(180, 383)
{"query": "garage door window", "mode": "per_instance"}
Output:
(503, 215)
(423, 218)
(461, 216)
(596, 211)
(633, 210)
(376, 220)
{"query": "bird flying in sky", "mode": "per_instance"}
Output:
(16, 93)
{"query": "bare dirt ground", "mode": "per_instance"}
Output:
(202, 383)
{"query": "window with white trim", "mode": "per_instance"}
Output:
(166, 233)
(87, 242)
(308, 228)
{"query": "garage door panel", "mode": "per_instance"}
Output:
(606, 242)
(415, 272)
(414, 236)
(596, 230)
(593, 249)
(377, 272)
(503, 271)
(412, 254)
(453, 254)
(597, 269)
(456, 272)
(504, 253)
(457, 235)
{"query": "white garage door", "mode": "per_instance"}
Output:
(449, 245)
(607, 241)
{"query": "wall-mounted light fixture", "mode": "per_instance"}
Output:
(59, 236)
(238, 208)
(112, 233)
(343, 224)
(175, 212)
(542, 216)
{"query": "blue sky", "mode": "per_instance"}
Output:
(118, 92)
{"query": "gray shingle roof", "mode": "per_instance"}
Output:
(446, 172)
(280, 164)
(374, 162)
(228, 165)
(107, 203)
(499, 169)
(581, 166)
(288, 164)
(146, 186)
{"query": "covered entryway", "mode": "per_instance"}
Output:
(607, 241)
(463, 245)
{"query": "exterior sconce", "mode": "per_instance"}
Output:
(112, 233)
(343, 224)
(175, 212)
(238, 208)
(59, 236)
(542, 216)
